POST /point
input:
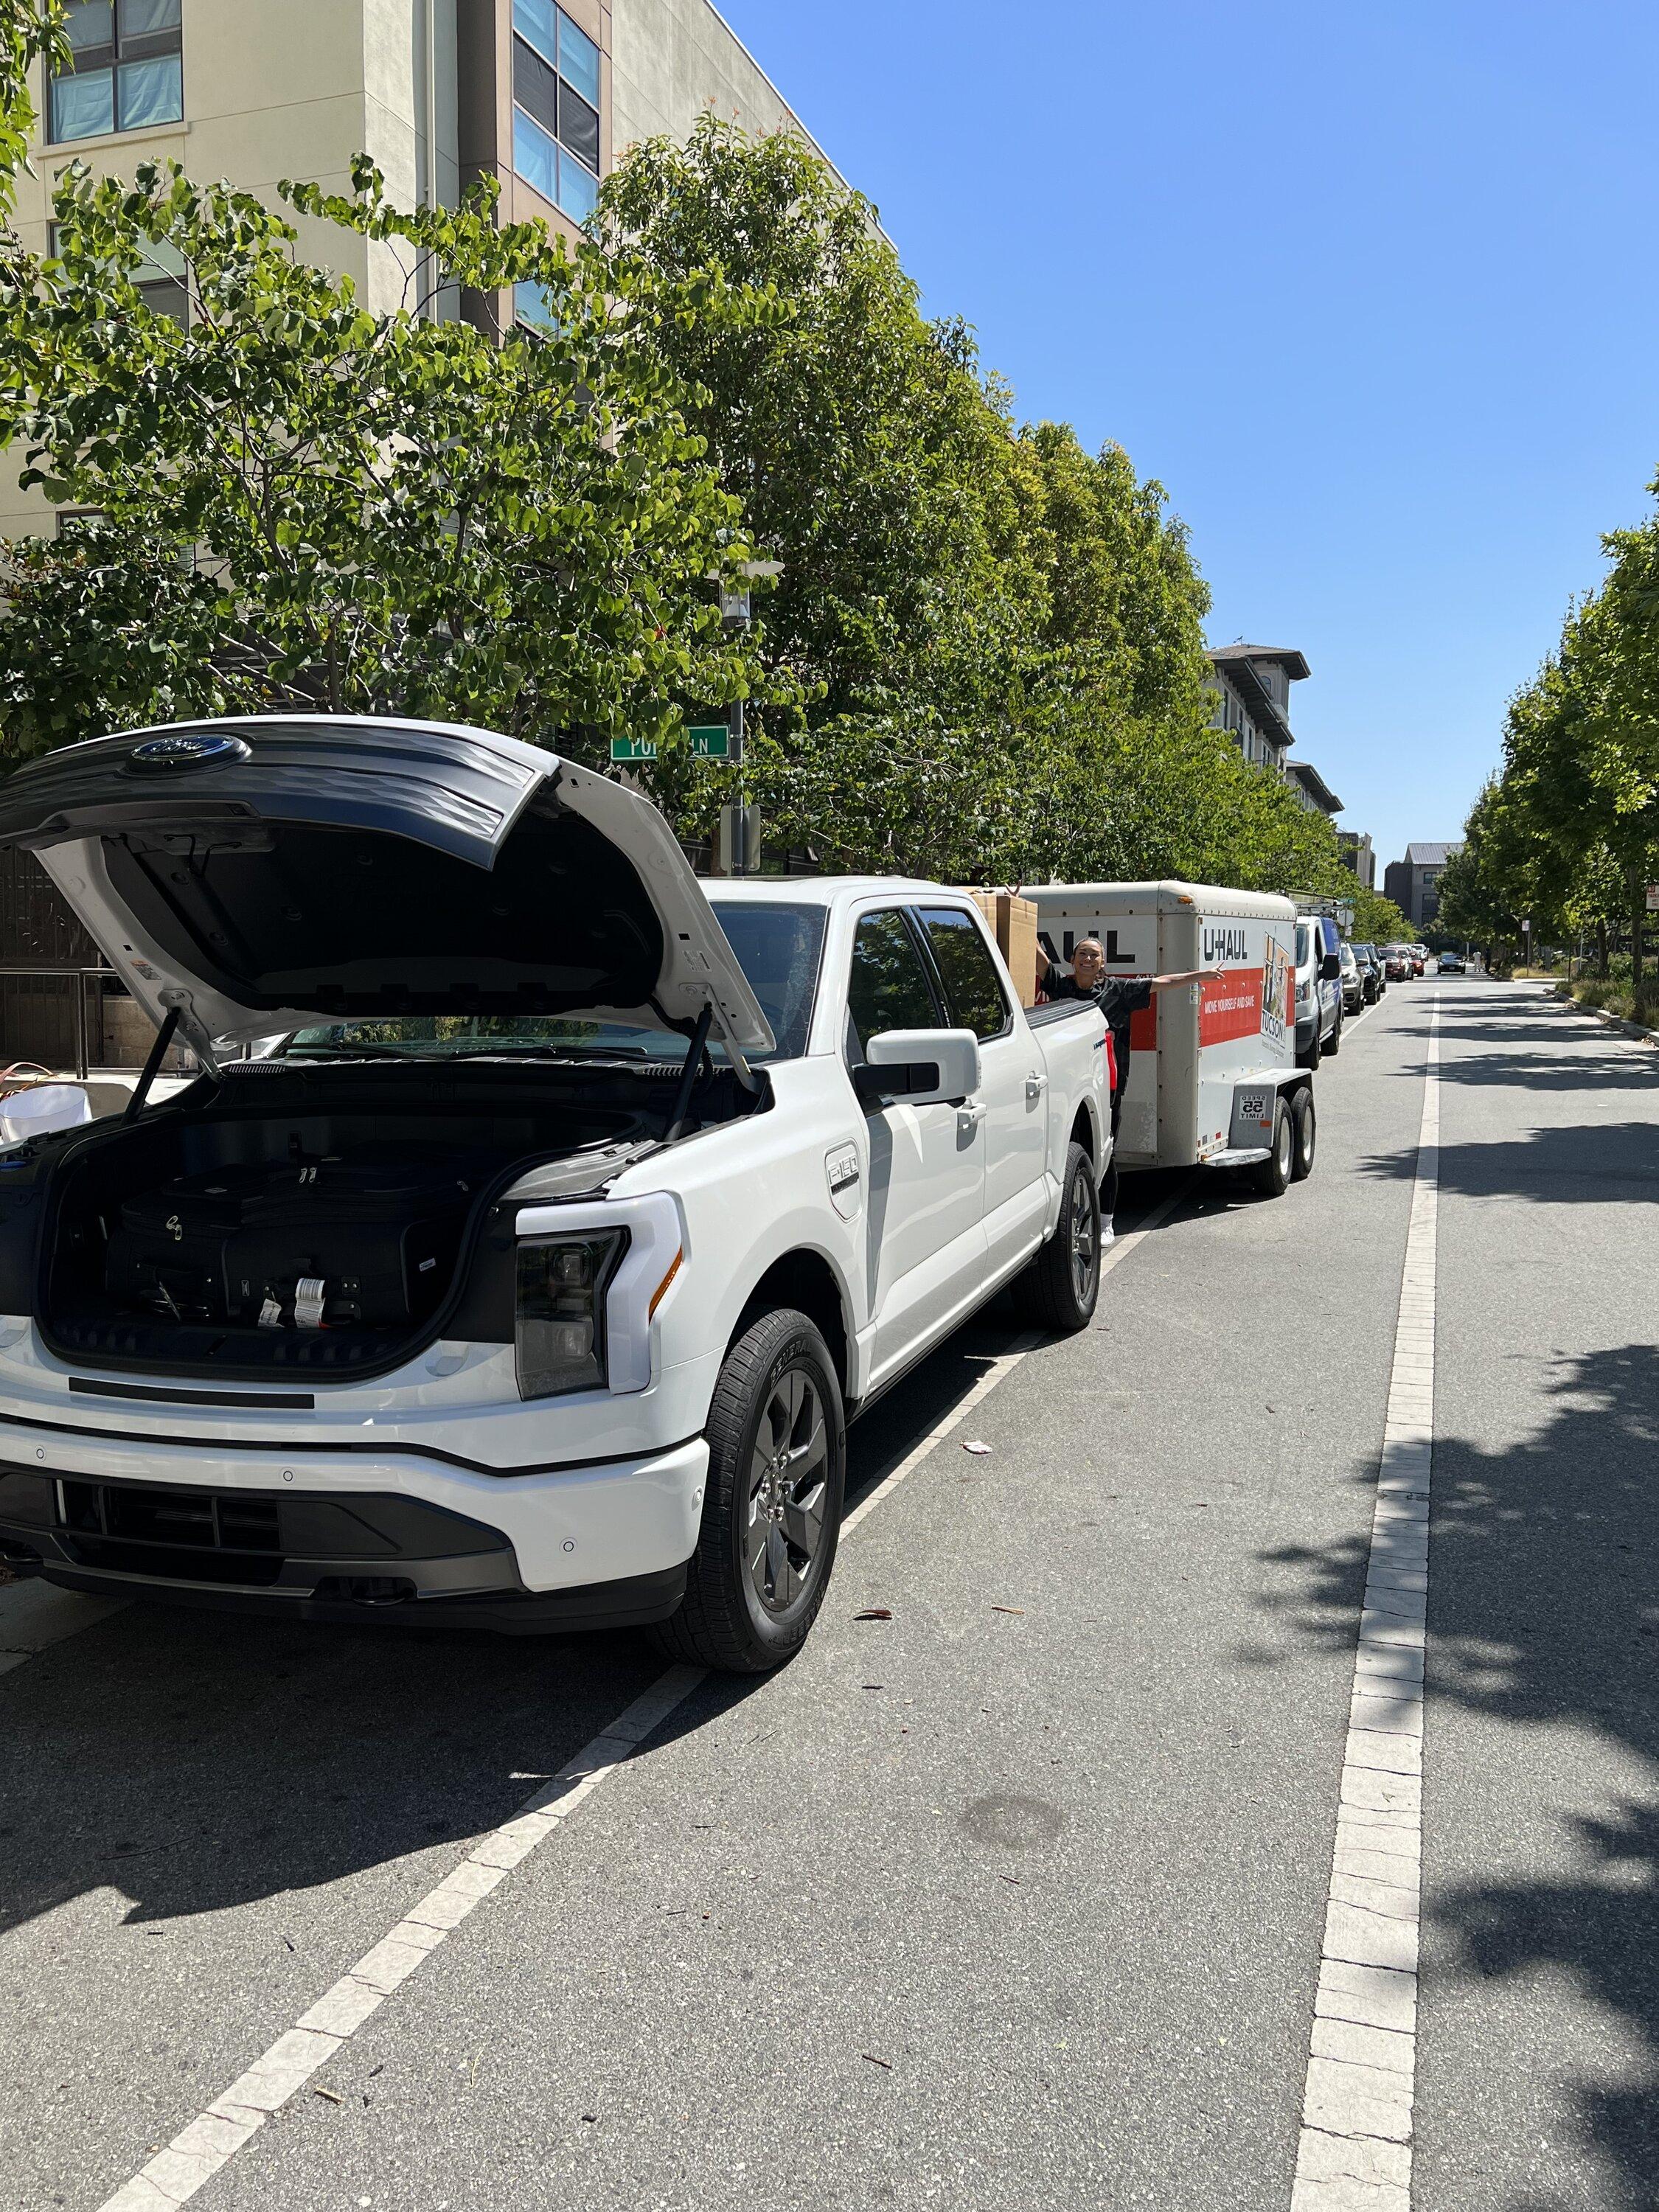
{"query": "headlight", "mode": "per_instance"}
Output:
(559, 1327)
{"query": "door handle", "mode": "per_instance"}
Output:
(1035, 1087)
(974, 1113)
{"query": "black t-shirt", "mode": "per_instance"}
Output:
(1118, 997)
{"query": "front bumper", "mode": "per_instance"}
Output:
(316, 1534)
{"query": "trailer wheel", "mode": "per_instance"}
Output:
(1306, 1130)
(1274, 1175)
(1060, 1287)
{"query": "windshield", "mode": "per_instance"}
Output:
(1302, 944)
(777, 947)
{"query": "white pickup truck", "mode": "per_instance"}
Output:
(530, 1278)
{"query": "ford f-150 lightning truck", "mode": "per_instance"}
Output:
(535, 1225)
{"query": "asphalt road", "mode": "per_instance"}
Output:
(1014, 1900)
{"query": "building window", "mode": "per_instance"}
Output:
(162, 278)
(128, 68)
(556, 107)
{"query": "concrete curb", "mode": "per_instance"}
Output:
(1612, 1021)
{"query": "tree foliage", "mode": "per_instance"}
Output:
(304, 505)
(1567, 836)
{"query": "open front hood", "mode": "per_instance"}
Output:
(266, 873)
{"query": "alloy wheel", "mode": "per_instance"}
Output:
(788, 1475)
(1084, 1231)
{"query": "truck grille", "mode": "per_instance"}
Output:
(179, 1536)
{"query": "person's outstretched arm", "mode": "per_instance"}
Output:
(1189, 976)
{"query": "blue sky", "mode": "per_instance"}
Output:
(1369, 288)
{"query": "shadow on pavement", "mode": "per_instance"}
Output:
(1543, 1609)
(194, 1761)
(1602, 1164)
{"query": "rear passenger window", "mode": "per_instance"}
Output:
(971, 985)
(889, 988)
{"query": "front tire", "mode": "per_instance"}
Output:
(771, 1516)
(1060, 1288)
(1335, 1044)
(1273, 1176)
(1310, 1060)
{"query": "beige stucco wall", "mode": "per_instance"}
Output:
(276, 89)
(670, 60)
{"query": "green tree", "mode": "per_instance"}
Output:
(29, 29)
(307, 505)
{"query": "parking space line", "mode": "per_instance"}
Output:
(1355, 2147)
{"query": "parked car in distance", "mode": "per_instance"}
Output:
(1372, 981)
(1353, 983)
(1397, 964)
(1419, 957)
(1318, 988)
(1452, 964)
(531, 1281)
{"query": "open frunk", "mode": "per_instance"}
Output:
(300, 1243)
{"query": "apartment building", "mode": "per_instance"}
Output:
(542, 94)
(1359, 855)
(1414, 884)
(1252, 688)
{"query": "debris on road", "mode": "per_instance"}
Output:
(1008, 1608)
(874, 1613)
(979, 1450)
(886, 2062)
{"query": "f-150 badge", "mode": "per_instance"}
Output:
(846, 1181)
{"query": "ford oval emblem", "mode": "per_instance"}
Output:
(157, 755)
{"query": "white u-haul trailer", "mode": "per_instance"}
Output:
(1212, 1076)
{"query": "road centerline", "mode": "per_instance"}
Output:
(1355, 2145)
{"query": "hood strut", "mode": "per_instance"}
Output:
(158, 1053)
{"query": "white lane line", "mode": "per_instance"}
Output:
(34, 1615)
(213, 2138)
(1355, 2149)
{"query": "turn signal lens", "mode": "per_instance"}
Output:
(662, 1289)
(559, 1329)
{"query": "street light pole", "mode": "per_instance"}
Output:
(737, 612)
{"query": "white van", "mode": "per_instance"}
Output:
(1318, 989)
(1212, 1078)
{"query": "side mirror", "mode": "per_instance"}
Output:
(916, 1067)
(1330, 967)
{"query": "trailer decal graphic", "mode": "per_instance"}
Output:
(1231, 1006)
(1276, 993)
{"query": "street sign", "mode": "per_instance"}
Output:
(710, 741)
(1653, 898)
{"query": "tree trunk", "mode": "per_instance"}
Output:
(1638, 920)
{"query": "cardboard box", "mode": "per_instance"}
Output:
(1013, 923)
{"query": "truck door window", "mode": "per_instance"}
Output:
(973, 995)
(888, 988)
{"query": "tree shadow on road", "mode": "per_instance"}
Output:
(1598, 1163)
(1529, 1069)
(1543, 1610)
